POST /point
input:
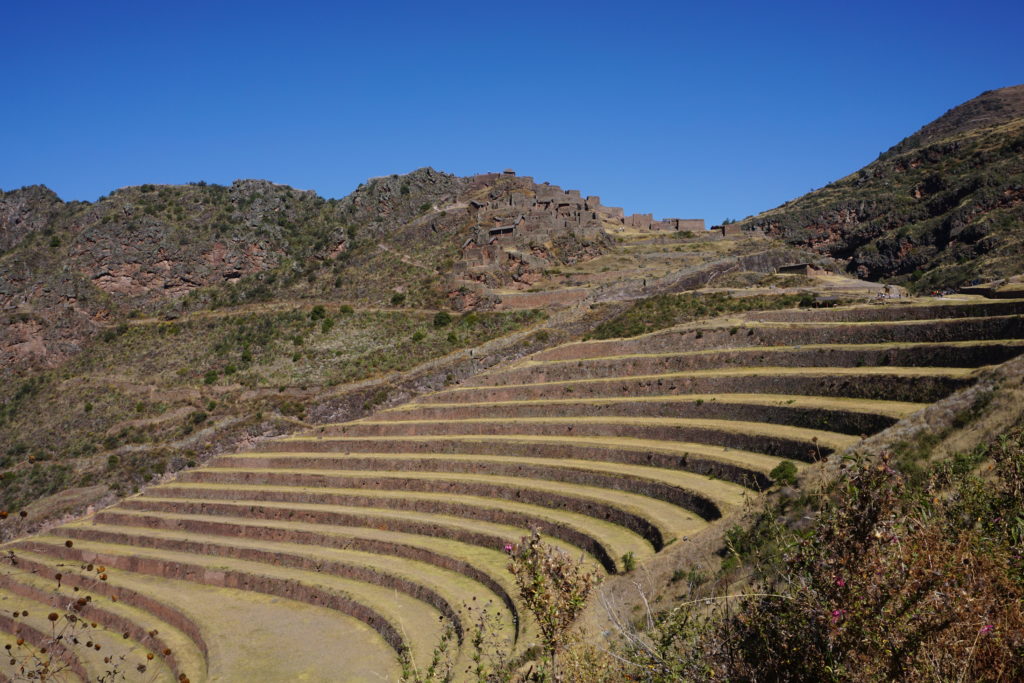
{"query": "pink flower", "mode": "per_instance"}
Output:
(840, 582)
(837, 615)
(508, 547)
(987, 628)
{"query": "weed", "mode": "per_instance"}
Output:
(628, 562)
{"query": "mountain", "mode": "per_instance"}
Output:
(942, 208)
(161, 324)
(68, 269)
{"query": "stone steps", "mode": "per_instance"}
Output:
(485, 566)
(734, 332)
(391, 613)
(145, 632)
(893, 311)
(914, 385)
(474, 520)
(655, 520)
(447, 591)
(780, 441)
(378, 527)
(259, 624)
(917, 354)
(846, 416)
(36, 632)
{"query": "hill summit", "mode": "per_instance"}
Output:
(942, 208)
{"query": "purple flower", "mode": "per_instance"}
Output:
(508, 547)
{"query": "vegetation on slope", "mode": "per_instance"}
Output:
(665, 310)
(882, 577)
(940, 209)
(149, 396)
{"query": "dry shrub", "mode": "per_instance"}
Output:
(888, 582)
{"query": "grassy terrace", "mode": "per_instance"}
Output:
(480, 521)
(894, 383)
(842, 415)
(371, 530)
(617, 455)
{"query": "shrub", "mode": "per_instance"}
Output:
(397, 299)
(784, 473)
(553, 586)
(628, 562)
(345, 309)
(442, 318)
(418, 335)
(318, 313)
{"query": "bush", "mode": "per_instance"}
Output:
(397, 299)
(628, 562)
(318, 313)
(418, 335)
(210, 377)
(442, 318)
(345, 309)
(784, 473)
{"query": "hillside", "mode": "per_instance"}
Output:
(943, 208)
(68, 270)
(250, 433)
(161, 325)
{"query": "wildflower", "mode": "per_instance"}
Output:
(987, 628)
(837, 615)
(508, 547)
(840, 581)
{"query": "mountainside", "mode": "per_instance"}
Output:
(157, 326)
(69, 269)
(943, 208)
(303, 435)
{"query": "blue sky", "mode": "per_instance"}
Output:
(684, 109)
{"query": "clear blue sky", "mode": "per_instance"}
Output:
(710, 109)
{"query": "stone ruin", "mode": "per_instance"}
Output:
(518, 215)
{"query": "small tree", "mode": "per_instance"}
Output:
(553, 586)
